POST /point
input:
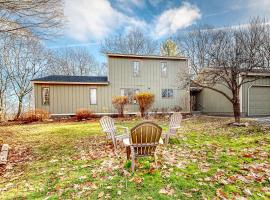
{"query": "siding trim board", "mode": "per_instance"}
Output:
(70, 83)
(248, 95)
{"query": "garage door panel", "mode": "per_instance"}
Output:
(259, 100)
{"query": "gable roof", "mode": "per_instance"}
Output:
(158, 57)
(62, 79)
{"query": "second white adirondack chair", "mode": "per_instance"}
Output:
(108, 127)
(174, 125)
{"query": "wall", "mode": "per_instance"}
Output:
(66, 99)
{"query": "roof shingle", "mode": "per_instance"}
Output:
(79, 79)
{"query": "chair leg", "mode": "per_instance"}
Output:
(132, 159)
(156, 157)
(128, 152)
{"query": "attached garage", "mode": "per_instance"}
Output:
(254, 98)
(259, 100)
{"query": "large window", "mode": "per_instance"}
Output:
(129, 92)
(136, 68)
(164, 69)
(45, 96)
(167, 93)
(93, 96)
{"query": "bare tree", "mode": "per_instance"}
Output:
(134, 42)
(40, 18)
(25, 59)
(226, 56)
(73, 61)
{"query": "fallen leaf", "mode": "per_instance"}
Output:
(101, 194)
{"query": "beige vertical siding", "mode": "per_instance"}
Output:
(66, 99)
(213, 102)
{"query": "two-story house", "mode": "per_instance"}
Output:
(127, 74)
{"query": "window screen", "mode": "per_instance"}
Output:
(93, 96)
(45, 96)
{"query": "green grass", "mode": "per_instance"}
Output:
(207, 159)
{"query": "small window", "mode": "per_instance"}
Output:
(129, 92)
(136, 68)
(167, 93)
(45, 96)
(164, 69)
(93, 96)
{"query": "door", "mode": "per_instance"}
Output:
(259, 100)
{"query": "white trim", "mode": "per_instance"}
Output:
(127, 113)
(256, 74)
(248, 93)
(241, 94)
(147, 56)
(70, 83)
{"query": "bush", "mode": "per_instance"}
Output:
(177, 109)
(34, 115)
(145, 101)
(119, 103)
(83, 113)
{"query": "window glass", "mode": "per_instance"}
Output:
(167, 93)
(93, 96)
(129, 92)
(136, 68)
(45, 96)
(164, 69)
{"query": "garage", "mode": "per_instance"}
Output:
(259, 100)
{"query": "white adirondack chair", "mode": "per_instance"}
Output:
(174, 125)
(108, 127)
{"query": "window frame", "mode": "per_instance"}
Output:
(90, 96)
(161, 69)
(134, 91)
(43, 96)
(139, 66)
(167, 92)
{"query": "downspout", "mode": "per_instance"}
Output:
(241, 94)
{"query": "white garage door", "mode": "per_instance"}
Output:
(259, 100)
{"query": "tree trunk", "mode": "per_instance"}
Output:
(142, 112)
(236, 110)
(19, 108)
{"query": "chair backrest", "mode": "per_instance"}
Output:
(107, 124)
(145, 137)
(175, 120)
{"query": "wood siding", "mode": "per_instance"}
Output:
(212, 102)
(66, 99)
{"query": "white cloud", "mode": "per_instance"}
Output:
(95, 19)
(170, 21)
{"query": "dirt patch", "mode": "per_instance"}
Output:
(16, 156)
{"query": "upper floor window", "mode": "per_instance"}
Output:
(167, 93)
(45, 96)
(129, 92)
(136, 68)
(164, 69)
(93, 96)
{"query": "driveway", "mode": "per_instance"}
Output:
(263, 120)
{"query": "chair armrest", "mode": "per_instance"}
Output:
(176, 127)
(123, 127)
(108, 130)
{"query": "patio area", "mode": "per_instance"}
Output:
(206, 159)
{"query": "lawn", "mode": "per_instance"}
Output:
(206, 160)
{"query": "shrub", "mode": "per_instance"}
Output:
(145, 101)
(177, 109)
(83, 113)
(34, 115)
(119, 103)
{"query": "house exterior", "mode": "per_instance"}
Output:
(254, 98)
(127, 74)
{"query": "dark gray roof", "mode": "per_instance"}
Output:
(62, 78)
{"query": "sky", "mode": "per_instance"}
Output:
(90, 21)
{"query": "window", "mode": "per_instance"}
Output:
(136, 68)
(164, 69)
(129, 92)
(167, 93)
(45, 96)
(93, 96)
